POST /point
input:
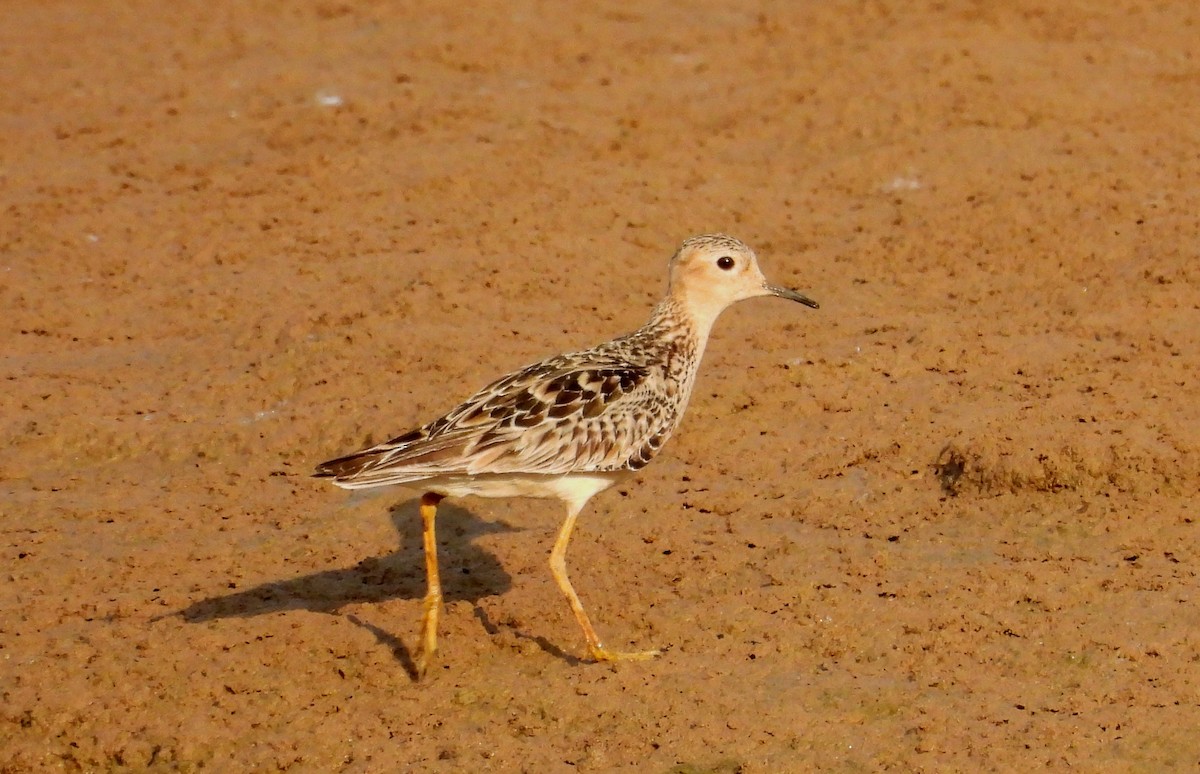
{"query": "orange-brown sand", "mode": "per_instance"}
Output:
(946, 523)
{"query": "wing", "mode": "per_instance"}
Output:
(572, 413)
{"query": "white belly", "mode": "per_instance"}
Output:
(574, 488)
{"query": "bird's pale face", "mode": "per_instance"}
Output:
(716, 271)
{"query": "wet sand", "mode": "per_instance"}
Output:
(947, 522)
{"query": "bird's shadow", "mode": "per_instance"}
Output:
(468, 573)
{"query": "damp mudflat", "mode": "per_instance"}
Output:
(946, 522)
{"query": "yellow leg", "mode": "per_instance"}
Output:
(558, 566)
(433, 592)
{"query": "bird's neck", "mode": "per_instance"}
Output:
(684, 315)
(682, 335)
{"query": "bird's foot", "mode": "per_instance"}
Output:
(424, 659)
(600, 653)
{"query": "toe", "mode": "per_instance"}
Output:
(601, 653)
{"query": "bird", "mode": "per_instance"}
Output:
(570, 426)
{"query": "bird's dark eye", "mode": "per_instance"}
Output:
(725, 262)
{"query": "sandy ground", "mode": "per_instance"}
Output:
(947, 522)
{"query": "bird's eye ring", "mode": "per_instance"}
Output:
(725, 262)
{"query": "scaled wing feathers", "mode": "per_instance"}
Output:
(565, 414)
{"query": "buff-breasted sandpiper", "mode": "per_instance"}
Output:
(570, 426)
